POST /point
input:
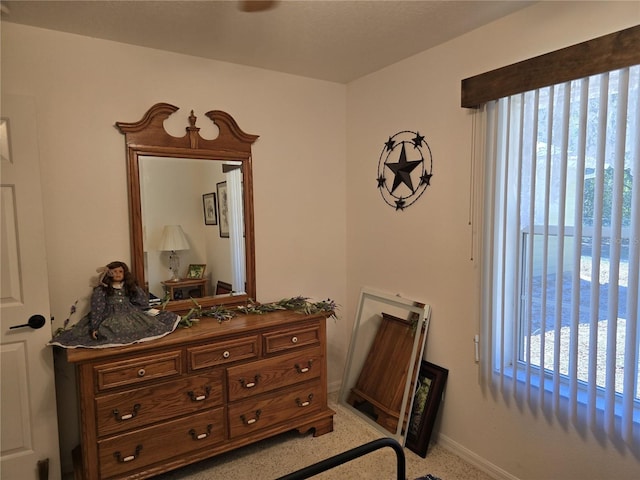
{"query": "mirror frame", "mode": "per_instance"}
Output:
(147, 137)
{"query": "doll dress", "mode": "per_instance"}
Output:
(119, 320)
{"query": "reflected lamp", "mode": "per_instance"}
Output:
(173, 239)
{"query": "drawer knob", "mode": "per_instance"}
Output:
(294, 339)
(200, 436)
(128, 458)
(142, 372)
(251, 421)
(300, 369)
(305, 403)
(226, 354)
(246, 384)
(126, 416)
(198, 398)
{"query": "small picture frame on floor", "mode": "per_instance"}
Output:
(426, 401)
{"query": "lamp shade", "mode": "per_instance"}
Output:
(173, 238)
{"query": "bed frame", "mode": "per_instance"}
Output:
(349, 455)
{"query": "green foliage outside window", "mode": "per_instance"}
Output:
(589, 196)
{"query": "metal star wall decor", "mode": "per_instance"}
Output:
(407, 157)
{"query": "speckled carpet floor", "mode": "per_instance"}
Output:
(288, 452)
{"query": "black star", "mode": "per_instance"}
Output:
(418, 139)
(400, 204)
(381, 181)
(402, 170)
(390, 144)
(426, 178)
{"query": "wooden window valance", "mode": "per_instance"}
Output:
(609, 52)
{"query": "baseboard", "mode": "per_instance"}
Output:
(454, 447)
(334, 387)
(474, 459)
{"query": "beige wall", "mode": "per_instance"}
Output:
(82, 86)
(424, 252)
(322, 229)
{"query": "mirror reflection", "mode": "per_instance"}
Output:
(387, 345)
(192, 217)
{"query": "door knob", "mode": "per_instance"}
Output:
(35, 322)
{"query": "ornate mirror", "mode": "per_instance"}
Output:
(191, 210)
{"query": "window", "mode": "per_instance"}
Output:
(562, 249)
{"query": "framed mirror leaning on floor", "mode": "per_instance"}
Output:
(386, 348)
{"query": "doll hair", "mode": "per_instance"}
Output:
(129, 280)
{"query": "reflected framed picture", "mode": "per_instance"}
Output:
(426, 401)
(223, 209)
(210, 209)
(196, 270)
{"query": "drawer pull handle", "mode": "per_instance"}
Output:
(122, 459)
(226, 354)
(200, 436)
(249, 384)
(306, 403)
(142, 372)
(294, 339)
(304, 369)
(199, 398)
(251, 421)
(126, 416)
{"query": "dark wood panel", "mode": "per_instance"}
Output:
(602, 54)
(383, 377)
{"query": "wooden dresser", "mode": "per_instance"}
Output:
(159, 405)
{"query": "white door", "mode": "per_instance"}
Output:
(29, 445)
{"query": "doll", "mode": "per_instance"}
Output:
(119, 314)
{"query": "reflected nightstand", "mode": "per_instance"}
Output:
(196, 287)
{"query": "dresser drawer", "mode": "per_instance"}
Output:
(283, 340)
(141, 448)
(272, 373)
(138, 370)
(268, 410)
(220, 353)
(118, 412)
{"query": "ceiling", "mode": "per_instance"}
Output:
(337, 40)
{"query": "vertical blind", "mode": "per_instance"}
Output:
(561, 251)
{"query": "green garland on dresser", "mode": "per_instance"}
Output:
(298, 304)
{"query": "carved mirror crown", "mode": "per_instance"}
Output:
(150, 146)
